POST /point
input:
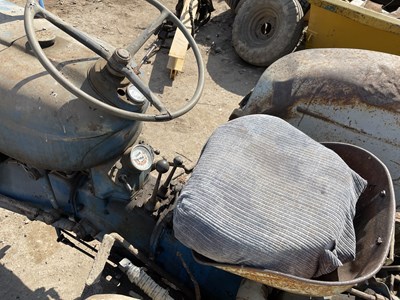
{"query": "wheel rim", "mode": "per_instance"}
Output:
(262, 27)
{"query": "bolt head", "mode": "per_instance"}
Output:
(121, 56)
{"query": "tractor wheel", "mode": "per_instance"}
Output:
(265, 30)
(305, 5)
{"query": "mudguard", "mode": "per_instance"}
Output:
(336, 95)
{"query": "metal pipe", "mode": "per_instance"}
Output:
(52, 218)
(196, 285)
(366, 296)
(26, 209)
(391, 268)
(139, 277)
(104, 252)
(50, 192)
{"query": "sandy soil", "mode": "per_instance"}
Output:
(32, 264)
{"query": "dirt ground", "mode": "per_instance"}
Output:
(32, 264)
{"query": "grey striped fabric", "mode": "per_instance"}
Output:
(265, 195)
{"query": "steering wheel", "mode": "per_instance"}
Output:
(119, 59)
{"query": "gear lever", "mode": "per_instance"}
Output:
(162, 166)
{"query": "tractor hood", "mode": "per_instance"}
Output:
(41, 123)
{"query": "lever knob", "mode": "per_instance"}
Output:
(162, 166)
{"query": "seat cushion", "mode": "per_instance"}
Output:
(265, 195)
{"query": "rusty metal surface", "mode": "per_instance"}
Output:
(338, 95)
(57, 130)
(374, 225)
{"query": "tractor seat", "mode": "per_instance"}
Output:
(264, 197)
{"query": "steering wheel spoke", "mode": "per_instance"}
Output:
(119, 61)
(138, 43)
(154, 100)
(101, 48)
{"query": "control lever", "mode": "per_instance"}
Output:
(162, 192)
(162, 166)
(124, 179)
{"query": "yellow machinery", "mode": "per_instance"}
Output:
(339, 24)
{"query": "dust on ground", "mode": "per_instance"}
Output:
(32, 264)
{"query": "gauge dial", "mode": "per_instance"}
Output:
(135, 95)
(142, 157)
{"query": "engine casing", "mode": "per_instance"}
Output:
(41, 123)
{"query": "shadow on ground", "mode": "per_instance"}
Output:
(11, 287)
(223, 65)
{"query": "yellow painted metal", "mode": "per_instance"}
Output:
(339, 24)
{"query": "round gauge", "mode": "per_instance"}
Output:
(142, 157)
(135, 95)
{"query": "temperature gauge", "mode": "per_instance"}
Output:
(142, 157)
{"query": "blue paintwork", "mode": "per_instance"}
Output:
(215, 283)
(44, 126)
(58, 131)
(111, 215)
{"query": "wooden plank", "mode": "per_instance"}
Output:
(179, 45)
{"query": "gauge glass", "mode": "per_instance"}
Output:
(135, 95)
(141, 157)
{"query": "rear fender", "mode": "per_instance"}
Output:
(336, 95)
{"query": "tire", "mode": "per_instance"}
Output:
(265, 30)
(305, 5)
(389, 5)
